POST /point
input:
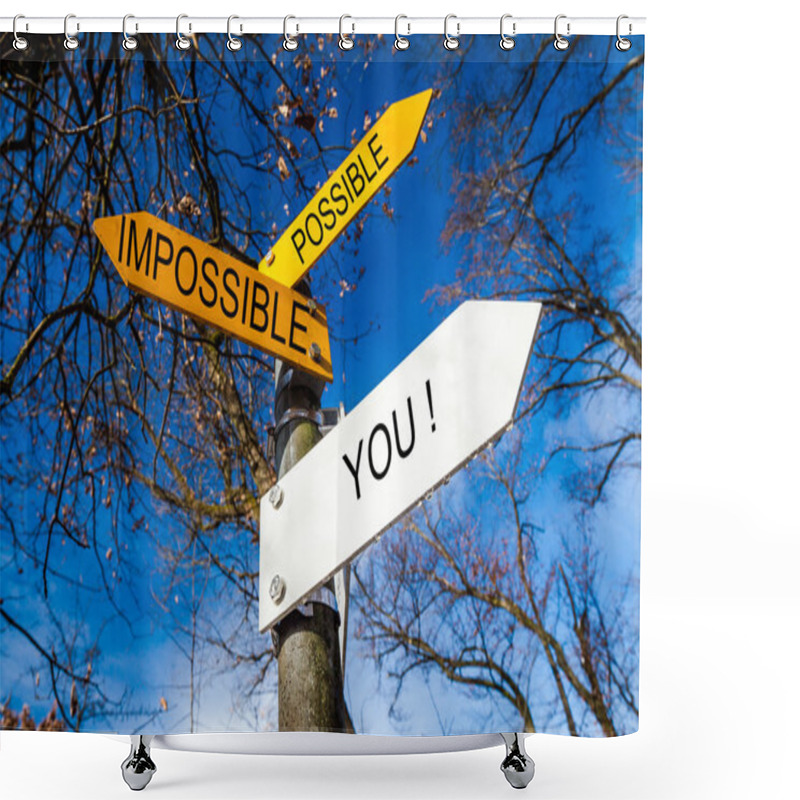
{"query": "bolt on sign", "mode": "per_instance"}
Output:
(350, 187)
(453, 395)
(162, 262)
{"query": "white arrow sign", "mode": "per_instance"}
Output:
(455, 393)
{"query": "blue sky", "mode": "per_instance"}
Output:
(402, 260)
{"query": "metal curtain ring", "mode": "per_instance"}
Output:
(622, 43)
(70, 42)
(289, 42)
(345, 42)
(181, 42)
(507, 42)
(400, 42)
(20, 42)
(451, 42)
(129, 42)
(233, 44)
(560, 43)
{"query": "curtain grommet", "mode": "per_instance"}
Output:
(70, 42)
(233, 44)
(401, 42)
(289, 42)
(129, 43)
(181, 41)
(451, 42)
(20, 42)
(346, 42)
(507, 42)
(559, 42)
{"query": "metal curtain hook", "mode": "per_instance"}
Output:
(560, 43)
(20, 42)
(289, 42)
(129, 42)
(451, 42)
(70, 42)
(345, 42)
(233, 44)
(181, 42)
(622, 43)
(507, 42)
(400, 42)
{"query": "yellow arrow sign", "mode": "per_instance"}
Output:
(349, 188)
(163, 262)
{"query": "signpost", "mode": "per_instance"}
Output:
(163, 262)
(350, 187)
(454, 394)
(450, 397)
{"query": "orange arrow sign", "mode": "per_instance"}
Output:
(162, 262)
(350, 187)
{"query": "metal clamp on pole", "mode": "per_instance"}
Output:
(292, 414)
(323, 595)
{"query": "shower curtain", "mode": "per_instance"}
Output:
(321, 385)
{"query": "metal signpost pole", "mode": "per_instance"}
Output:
(310, 685)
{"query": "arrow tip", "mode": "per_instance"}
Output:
(415, 107)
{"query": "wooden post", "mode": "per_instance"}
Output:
(310, 687)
